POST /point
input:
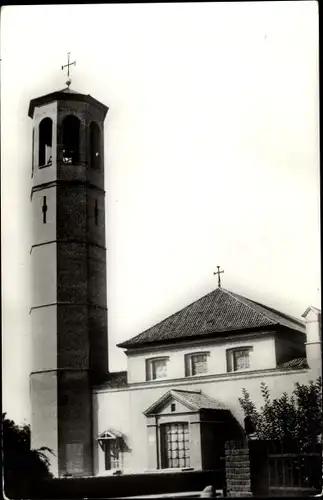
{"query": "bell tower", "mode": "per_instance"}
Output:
(68, 254)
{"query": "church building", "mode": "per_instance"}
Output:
(177, 402)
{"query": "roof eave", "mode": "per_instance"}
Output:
(211, 335)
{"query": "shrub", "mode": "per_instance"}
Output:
(21, 465)
(298, 417)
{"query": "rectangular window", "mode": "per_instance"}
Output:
(111, 454)
(175, 446)
(196, 364)
(156, 368)
(238, 359)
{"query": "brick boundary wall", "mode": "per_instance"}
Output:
(127, 485)
(247, 472)
(237, 469)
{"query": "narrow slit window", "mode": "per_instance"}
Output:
(96, 212)
(95, 139)
(44, 210)
(32, 153)
(45, 142)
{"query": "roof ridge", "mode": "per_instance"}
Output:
(271, 309)
(70, 91)
(276, 311)
(237, 297)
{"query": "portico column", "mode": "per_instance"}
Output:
(152, 443)
(195, 442)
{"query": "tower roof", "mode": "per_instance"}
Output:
(65, 95)
(219, 312)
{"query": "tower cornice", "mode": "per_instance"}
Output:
(58, 182)
(65, 95)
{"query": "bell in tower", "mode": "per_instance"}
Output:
(68, 310)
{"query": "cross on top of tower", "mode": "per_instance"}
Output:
(218, 272)
(69, 80)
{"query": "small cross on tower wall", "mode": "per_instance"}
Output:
(96, 212)
(44, 210)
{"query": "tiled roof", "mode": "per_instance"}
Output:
(116, 379)
(110, 434)
(295, 363)
(198, 400)
(193, 400)
(218, 312)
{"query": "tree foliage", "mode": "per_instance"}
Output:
(21, 464)
(295, 417)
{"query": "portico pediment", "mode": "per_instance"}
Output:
(181, 401)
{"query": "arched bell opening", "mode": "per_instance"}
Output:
(71, 140)
(45, 142)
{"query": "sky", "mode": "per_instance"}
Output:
(211, 157)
